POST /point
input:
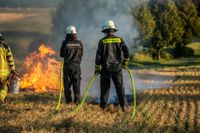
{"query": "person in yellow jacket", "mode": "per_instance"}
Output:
(7, 68)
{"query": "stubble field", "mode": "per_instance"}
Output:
(172, 109)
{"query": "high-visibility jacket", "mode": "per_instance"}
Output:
(6, 60)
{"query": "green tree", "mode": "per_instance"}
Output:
(169, 28)
(197, 3)
(145, 22)
(191, 21)
(168, 23)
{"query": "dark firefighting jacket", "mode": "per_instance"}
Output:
(111, 51)
(6, 60)
(72, 51)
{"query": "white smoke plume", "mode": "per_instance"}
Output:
(88, 16)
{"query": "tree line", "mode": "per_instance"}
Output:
(168, 24)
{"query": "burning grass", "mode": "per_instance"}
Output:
(41, 70)
(173, 109)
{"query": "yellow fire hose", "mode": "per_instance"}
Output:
(134, 91)
(88, 88)
(86, 92)
(94, 77)
(61, 86)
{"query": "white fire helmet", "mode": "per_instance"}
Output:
(71, 30)
(109, 25)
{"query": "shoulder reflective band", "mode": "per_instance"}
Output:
(111, 40)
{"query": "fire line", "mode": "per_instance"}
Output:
(41, 70)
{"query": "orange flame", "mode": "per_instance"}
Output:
(42, 70)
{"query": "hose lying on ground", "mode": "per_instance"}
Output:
(61, 86)
(86, 92)
(88, 87)
(134, 91)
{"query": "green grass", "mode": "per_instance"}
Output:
(164, 64)
(140, 56)
(145, 60)
(196, 47)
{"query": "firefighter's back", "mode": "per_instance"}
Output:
(73, 51)
(111, 47)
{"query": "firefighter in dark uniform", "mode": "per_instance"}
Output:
(7, 68)
(72, 51)
(112, 54)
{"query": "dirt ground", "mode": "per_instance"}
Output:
(172, 109)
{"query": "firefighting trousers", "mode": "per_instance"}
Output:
(117, 78)
(3, 88)
(72, 77)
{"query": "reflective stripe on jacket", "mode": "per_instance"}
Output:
(6, 60)
(111, 51)
(72, 51)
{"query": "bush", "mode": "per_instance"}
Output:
(150, 55)
(183, 52)
(196, 47)
(144, 56)
(167, 54)
(188, 52)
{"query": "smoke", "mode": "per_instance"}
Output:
(87, 16)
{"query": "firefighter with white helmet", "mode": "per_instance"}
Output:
(72, 52)
(7, 68)
(112, 54)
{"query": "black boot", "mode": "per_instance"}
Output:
(68, 101)
(103, 106)
(76, 101)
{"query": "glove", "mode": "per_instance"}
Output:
(97, 69)
(125, 63)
